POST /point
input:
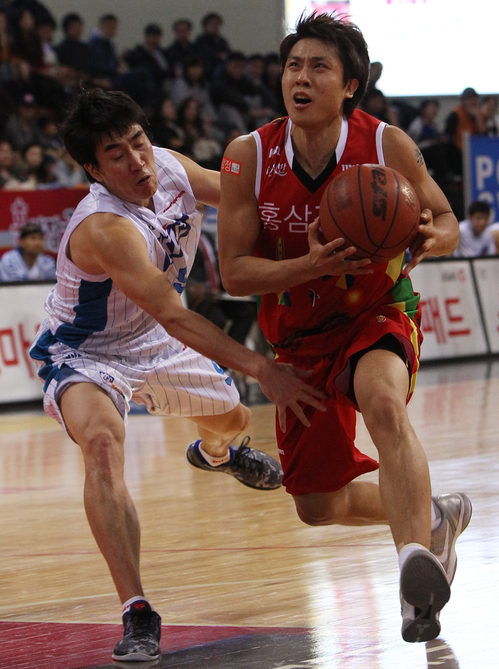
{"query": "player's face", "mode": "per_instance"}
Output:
(312, 84)
(126, 166)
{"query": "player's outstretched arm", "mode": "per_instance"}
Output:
(438, 233)
(112, 244)
(239, 226)
(205, 183)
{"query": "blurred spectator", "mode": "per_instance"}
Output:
(475, 235)
(164, 129)
(465, 118)
(374, 101)
(205, 294)
(396, 112)
(376, 104)
(232, 133)
(255, 67)
(10, 178)
(28, 262)
(194, 84)
(45, 29)
(13, 71)
(149, 55)
(271, 77)
(51, 140)
(39, 11)
(41, 76)
(488, 112)
(103, 57)
(264, 97)
(26, 43)
(200, 144)
(22, 127)
(68, 173)
(37, 168)
(425, 130)
(239, 102)
(74, 55)
(375, 72)
(182, 48)
(210, 45)
(494, 228)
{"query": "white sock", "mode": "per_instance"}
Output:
(125, 608)
(407, 550)
(215, 461)
(436, 516)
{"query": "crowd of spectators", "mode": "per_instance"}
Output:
(198, 93)
(197, 90)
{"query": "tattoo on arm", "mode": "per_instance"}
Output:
(419, 157)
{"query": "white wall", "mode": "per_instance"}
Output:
(249, 25)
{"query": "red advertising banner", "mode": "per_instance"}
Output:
(51, 209)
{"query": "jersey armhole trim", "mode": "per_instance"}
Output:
(258, 173)
(379, 143)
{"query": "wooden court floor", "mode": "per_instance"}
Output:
(239, 582)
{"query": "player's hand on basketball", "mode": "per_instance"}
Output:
(282, 383)
(326, 258)
(424, 241)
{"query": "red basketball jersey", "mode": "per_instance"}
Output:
(304, 319)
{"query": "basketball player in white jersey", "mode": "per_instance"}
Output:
(117, 330)
(356, 325)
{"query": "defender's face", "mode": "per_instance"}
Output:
(312, 84)
(126, 166)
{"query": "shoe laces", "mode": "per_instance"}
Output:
(138, 625)
(243, 458)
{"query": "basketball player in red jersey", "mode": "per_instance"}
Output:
(354, 323)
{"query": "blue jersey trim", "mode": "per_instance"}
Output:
(91, 313)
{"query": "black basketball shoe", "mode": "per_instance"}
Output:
(140, 641)
(253, 468)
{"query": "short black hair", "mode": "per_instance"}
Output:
(427, 102)
(237, 56)
(108, 17)
(179, 22)
(468, 93)
(345, 37)
(153, 29)
(479, 207)
(96, 113)
(30, 229)
(72, 17)
(208, 17)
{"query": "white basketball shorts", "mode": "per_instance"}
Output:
(180, 382)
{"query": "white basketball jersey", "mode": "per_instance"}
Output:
(87, 312)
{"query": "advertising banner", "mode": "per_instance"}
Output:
(451, 319)
(487, 280)
(481, 171)
(51, 209)
(21, 313)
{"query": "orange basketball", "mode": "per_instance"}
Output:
(374, 208)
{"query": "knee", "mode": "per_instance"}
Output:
(317, 510)
(103, 451)
(385, 413)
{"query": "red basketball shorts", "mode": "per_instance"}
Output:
(323, 457)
